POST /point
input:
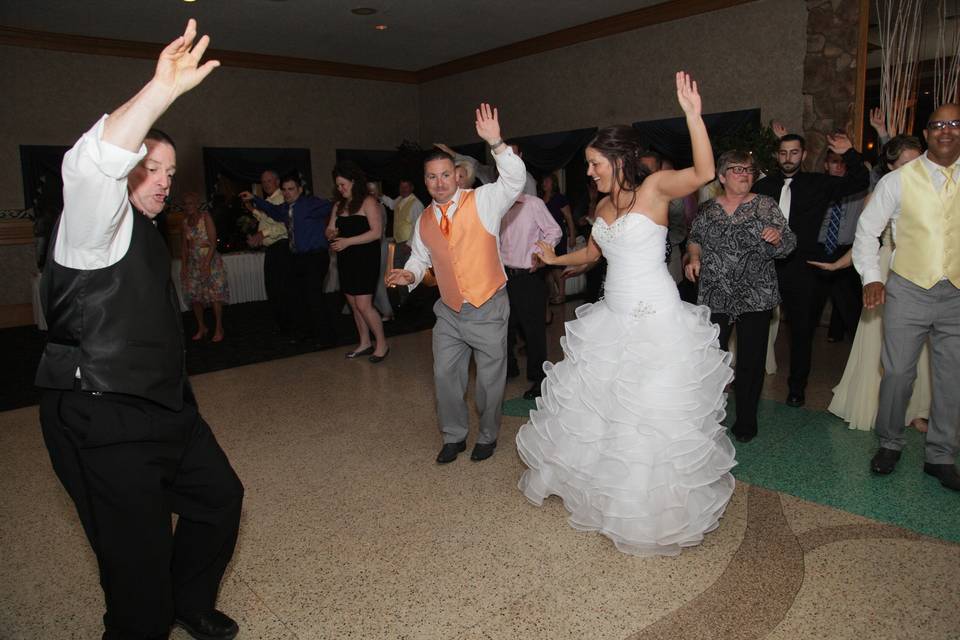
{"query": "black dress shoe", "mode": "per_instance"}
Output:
(744, 437)
(212, 625)
(376, 359)
(482, 451)
(795, 399)
(350, 355)
(945, 473)
(884, 461)
(532, 392)
(450, 450)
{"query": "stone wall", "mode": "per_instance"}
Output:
(829, 74)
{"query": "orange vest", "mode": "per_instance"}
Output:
(467, 264)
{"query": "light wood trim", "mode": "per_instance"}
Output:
(16, 232)
(860, 97)
(621, 23)
(630, 21)
(149, 51)
(15, 315)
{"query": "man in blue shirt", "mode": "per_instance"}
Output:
(306, 217)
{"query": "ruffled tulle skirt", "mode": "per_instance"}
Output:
(628, 430)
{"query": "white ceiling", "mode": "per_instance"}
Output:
(420, 33)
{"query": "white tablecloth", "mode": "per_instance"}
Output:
(244, 277)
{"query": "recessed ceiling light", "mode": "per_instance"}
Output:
(189, 0)
(381, 27)
(363, 11)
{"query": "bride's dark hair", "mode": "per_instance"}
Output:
(621, 146)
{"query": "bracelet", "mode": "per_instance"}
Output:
(494, 145)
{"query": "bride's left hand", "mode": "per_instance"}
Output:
(688, 95)
(546, 254)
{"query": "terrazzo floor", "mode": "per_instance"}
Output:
(351, 531)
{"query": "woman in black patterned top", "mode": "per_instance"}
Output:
(734, 241)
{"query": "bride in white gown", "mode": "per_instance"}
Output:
(628, 430)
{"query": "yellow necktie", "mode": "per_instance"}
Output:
(950, 185)
(444, 220)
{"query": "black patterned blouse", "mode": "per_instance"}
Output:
(737, 274)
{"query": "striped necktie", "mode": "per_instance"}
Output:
(832, 239)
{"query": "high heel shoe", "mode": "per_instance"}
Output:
(376, 359)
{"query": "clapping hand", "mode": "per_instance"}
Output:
(688, 95)
(178, 68)
(246, 196)
(488, 123)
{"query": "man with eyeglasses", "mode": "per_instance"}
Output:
(921, 297)
(804, 198)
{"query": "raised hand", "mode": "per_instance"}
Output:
(839, 143)
(443, 147)
(488, 123)
(688, 95)
(178, 68)
(878, 121)
(778, 129)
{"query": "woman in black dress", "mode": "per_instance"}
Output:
(354, 230)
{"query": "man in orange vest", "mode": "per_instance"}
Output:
(458, 235)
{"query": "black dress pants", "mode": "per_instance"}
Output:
(749, 370)
(800, 289)
(527, 293)
(310, 272)
(277, 274)
(845, 293)
(128, 463)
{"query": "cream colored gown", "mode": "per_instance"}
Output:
(855, 399)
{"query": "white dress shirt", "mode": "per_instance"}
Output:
(97, 220)
(492, 200)
(884, 207)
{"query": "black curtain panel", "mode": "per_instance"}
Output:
(244, 165)
(40, 166)
(670, 138)
(548, 152)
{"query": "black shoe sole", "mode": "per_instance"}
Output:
(462, 446)
(196, 635)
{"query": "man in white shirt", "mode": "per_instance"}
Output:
(921, 296)
(119, 419)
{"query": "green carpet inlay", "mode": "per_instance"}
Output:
(814, 456)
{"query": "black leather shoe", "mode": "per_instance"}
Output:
(482, 451)
(350, 355)
(795, 399)
(212, 625)
(376, 359)
(532, 392)
(945, 473)
(743, 437)
(450, 450)
(884, 461)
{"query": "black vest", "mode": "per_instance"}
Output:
(120, 325)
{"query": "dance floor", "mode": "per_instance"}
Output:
(351, 531)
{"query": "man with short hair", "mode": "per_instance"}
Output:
(277, 261)
(487, 174)
(306, 218)
(525, 223)
(804, 198)
(458, 236)
(119, 418)
(921, 296)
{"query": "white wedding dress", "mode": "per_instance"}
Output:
(628, 430)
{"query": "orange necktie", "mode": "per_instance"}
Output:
(444, 220)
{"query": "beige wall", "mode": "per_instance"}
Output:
(744, 57)
(53, 97)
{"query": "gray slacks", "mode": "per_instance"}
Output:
(481, 331)
(911, 314)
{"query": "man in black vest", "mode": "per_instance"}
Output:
(119, 418)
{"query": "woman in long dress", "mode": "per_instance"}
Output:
(628, 430)
(856, 397)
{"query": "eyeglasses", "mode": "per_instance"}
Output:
(737, 169)
(936, 125)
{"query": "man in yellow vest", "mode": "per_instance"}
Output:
(458, 235)
(921, 295)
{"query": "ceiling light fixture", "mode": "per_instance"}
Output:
(381, 27)
(363, 11)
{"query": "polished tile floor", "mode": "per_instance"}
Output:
(351, 531)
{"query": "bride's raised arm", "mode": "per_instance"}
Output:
(677, 184)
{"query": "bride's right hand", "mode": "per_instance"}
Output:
(546, 254)
(688, 95)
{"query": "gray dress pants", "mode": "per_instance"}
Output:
(911, 314)
(481, 331)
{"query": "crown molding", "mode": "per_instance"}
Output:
(148, 51)
(621, 23)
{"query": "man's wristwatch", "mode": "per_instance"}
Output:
(496, 144)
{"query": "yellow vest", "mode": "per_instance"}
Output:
(928, 230)
(402, 222)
